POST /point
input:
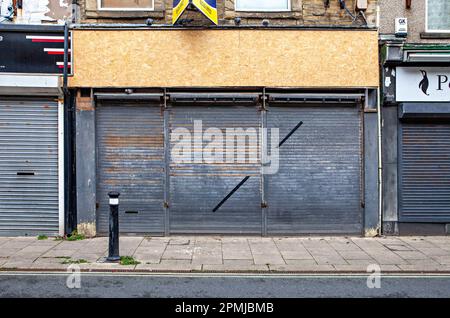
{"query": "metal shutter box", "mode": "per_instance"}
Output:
(196, 188)
(29, 167)
(318, 186)
(424, 165)
(130, 159)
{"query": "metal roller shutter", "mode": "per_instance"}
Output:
(130, 159)
(29, 203)
(318, 186)
(196, 188)
(424, 172)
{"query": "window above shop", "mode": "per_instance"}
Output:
(126, 5)
(263, 5)
(438, 16)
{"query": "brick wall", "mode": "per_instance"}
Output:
(303, 12)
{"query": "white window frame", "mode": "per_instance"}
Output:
(261, 10)
(100, 8)
(426, 22)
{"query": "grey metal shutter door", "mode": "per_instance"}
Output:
(317, 188)
(424, 172)
(130, 159)
(29, 167)
(196, 188)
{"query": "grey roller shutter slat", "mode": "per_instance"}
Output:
(196, 188)
(317, 188)
(130, 159)
(29, 143)
(425, 172)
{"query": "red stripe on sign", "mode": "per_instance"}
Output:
(55, 53)
(62, 66)
(49, 41)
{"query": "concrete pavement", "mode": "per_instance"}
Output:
(233, 254)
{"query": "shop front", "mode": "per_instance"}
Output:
(201, 134)
(31, 131)
(417, 142)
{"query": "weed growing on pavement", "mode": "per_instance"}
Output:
(71, 261)
(128, 260)
(42, 237)
(75, 236)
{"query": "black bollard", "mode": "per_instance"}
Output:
(113, 253)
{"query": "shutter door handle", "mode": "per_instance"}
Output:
(25, 173)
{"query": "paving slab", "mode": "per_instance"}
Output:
(301, 268)
(50, 263)
(14, 244)
(418, 242)
(236, 268)
(170, 267)
(3, 260)
(207, 253)
(407, 255)
(354, 255)
(18, 264)
(147, 258)
(236, 250)
(6, 252)
(300, 262)
(365, 262)
(293, 249)
(444, 260)
(25, 257)
(179, 251)
(60, 253)
(323, 253)
(35, 249)
(265, 252)
(150, 252)
(86, 255)
(435, 251)
(238, 262)
(365, 269)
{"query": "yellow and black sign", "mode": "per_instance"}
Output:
(207, 7)
(178, 8)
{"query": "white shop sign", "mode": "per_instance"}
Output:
(423, 84)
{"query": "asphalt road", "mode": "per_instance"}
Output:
(222, 286)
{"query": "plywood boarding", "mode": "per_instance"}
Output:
(224, 58)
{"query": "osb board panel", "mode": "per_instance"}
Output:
(220, 58)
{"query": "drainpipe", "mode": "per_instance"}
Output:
(66, 57)
(380, 166)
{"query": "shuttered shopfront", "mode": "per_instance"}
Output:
(316, 190)
(318, 186)
(424, 179)
(30, 202)
(130, 158)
